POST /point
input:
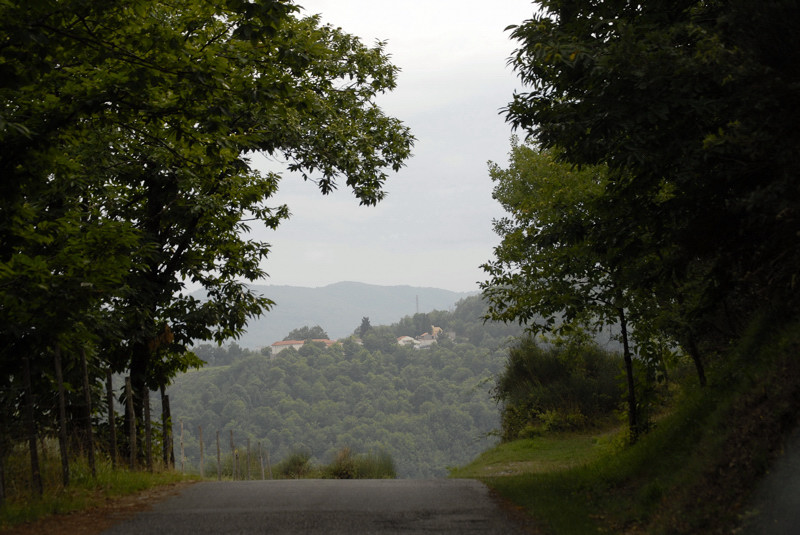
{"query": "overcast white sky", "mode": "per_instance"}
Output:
(434, 228)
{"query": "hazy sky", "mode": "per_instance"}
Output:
(434, 227)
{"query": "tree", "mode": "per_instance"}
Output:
(556, 266)
(364, 328)
(307, 333)
(125, 152)
(690, 105)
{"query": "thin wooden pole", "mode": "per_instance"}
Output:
(131, 421)
(62, 416)
(87, 395)
(248, 458)
(261, 460)
(112, 426)
(182, 456)
(202, 457)
(219, 460)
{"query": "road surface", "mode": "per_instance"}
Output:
(327, 506)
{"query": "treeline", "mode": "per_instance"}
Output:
(427, 408)
(125, 140)
(658, 194)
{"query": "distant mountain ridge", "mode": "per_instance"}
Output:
(339, 307)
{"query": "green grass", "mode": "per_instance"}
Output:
(547, 453)
(83, 492)
(692, 473)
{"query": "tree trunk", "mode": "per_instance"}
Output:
(2, 467)
(112, 426)
(62, 417)
(633, 418)
(698, 361)
(166, 429)
(131, 422)
(30, 427)
(140, 359)
(88, 408)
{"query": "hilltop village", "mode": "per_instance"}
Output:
(422, 341)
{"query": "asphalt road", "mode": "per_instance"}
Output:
(327, 506)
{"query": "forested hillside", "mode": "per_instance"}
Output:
(428, 408)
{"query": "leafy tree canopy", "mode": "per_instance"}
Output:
(307, 333)
(126, 138)
(691, 106)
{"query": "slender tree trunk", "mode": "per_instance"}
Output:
(140, 360)
(131, 422)
(148, 434)
(2, 463)
(112, 426)
(62, 416)
(87, 393)
(166, 428)
(698, 361)
(633, 418)
(30, 427)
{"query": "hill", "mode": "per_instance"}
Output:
(338, 308)
(428, 408)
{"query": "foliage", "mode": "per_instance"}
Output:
(557, 388)
(347, 465)
(427, 409)
(295, 466)
(126, 139)
(690, 105)
(84, 492)
(557, 266)
(694, 473)
(307, 333)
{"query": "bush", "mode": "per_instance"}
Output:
(568, 387)
(295, 466)
(345, 465)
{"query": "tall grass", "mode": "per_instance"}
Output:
(84, 491)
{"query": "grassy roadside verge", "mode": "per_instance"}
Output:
(83, 493)
(693, 473)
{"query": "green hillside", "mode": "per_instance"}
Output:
(428, 408)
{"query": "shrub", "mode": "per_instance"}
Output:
(295, 466)
(567, 387)
(371, 465)
(343, 465)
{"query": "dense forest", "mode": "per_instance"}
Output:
(428, 408)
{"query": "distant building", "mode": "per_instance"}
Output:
(277, 347)
(406, 341)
